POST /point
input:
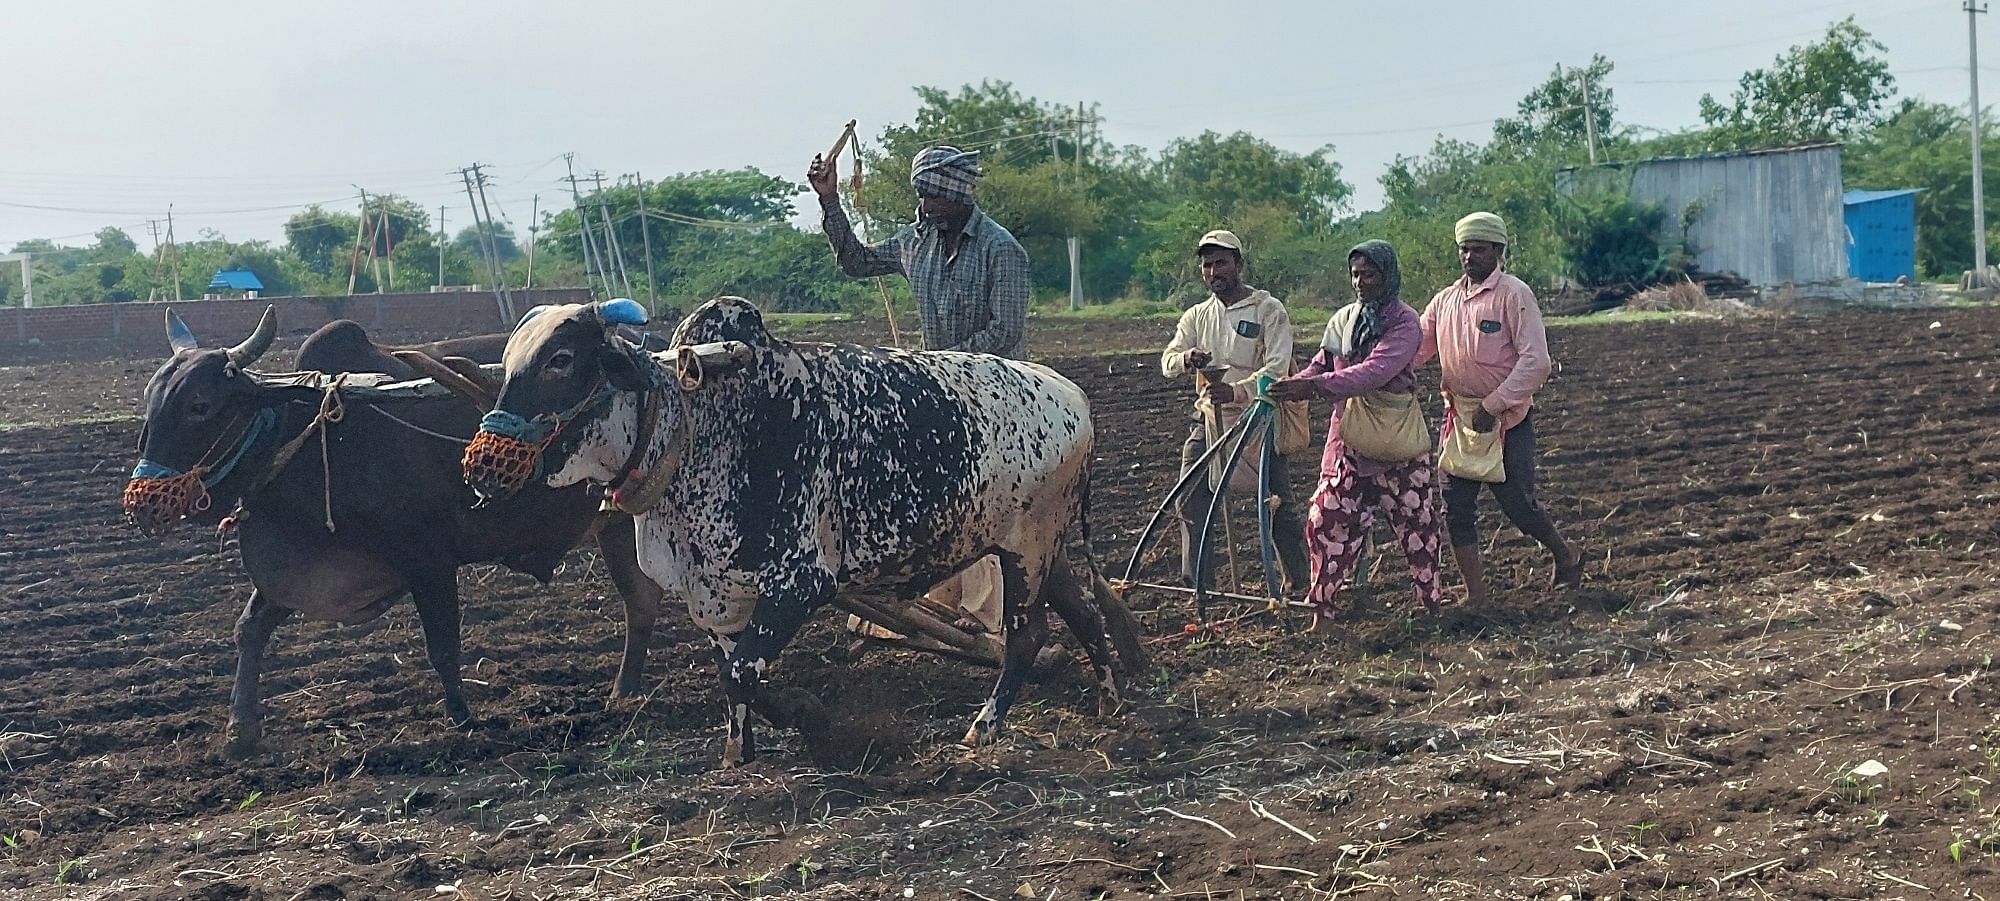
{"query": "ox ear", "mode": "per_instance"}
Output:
(621, 311)
(179, 336)
(532, 313)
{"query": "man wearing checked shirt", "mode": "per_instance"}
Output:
(970, 278)
(969, 275)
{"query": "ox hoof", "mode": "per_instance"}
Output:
(982, 733)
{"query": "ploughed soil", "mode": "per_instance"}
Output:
(1778, 682)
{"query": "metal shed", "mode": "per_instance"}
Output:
(1881, 234)
(1770, 216)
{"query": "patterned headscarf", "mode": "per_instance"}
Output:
(946, 173)
(1368, 325)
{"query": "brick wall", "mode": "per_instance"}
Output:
(100, 331)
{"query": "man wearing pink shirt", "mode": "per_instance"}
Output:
(1486, 331)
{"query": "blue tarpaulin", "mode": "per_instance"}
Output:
(235, 280)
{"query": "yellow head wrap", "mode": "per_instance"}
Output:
(1481, 227)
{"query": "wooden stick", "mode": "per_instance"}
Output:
(1218, 481)
(1193, 819)
(1121, 586)
(911, 621)
(448, 377)
(840, 145)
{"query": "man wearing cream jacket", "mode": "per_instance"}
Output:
(1238, 333)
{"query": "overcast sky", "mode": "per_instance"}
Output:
(239, 113)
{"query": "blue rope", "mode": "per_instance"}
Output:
(259, 424)
(511, 425)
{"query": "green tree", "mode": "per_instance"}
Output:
(1832, 90)
(1927, 146)
(504, 245)
(1554, 112)
(319, 237)
(1221, 173)
(115, 244)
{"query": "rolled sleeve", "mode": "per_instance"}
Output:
(1532, 367)
(856, 258)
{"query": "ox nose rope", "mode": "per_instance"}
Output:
(507, 451)
(157, 495)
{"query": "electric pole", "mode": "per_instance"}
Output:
(646, 236)
(591, 259)
(27, 279)
(380, 244)
(360, 233)
(175, 249)
(1972, 10)
(159, 260)
(610, 232)
(480, 225)
(1075, 244)
(493, 241)
(442, 240)
(1589, 114)
(534, 225)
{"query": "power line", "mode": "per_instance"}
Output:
(261, 209)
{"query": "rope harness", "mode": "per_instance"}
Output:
(507, 452)
(332, 409)
(158, 496)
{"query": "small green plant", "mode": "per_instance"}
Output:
(1853, 789)
(12, 840)
(1640, 830)
(1957, 849)
(247, 801)
(550, 770)
(71, 871)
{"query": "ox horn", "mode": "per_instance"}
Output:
(444, 375)
(259, 341)
(474, 373)
(179, 336)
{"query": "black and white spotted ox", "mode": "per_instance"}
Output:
(402, 517)
(766, 487)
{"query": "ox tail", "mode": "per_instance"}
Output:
(1119, 624)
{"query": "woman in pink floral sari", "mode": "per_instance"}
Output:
(1369, 349)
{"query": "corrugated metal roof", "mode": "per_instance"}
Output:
(1712, 155)
(235, 280)
(1851, 198)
